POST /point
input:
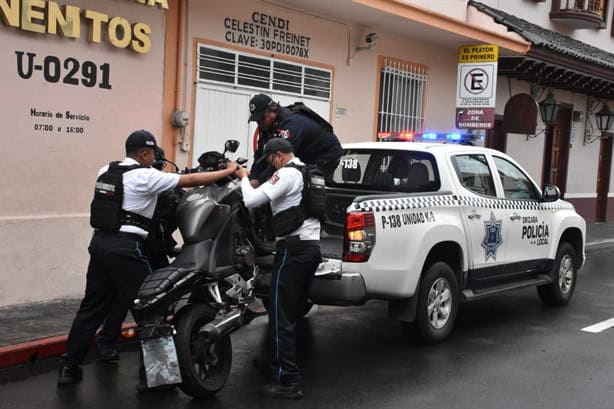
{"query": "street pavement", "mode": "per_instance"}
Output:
(24, 323)
(505, 352)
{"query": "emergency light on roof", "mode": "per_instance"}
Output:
(453, 137)
(397, 136)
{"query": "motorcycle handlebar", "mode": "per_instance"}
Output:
(240, 161)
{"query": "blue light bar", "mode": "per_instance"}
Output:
(432, 136)
(453, 136)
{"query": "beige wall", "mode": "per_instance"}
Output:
(48, 176)
(354, 83)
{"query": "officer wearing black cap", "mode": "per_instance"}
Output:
(311, 136)
(125, 197)
(296, 260)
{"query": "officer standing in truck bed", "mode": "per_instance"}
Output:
(311, 136)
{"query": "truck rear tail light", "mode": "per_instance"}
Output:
(359, 237)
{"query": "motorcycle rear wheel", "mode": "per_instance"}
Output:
(204, 366)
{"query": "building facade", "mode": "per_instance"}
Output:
(80, 75)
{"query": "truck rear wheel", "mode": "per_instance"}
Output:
(437, 303)
(564, 276)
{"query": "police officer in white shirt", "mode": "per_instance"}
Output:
(124, 201)
(296, 260)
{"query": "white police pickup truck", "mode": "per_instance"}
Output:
(427, 225)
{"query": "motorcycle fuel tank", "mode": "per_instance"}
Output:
(200, 216)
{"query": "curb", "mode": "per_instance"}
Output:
(45, 348)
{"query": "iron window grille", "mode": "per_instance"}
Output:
(223, 66)
(401, 96)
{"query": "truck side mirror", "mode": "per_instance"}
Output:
(551, 193)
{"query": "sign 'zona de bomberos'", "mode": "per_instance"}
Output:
(49, 17)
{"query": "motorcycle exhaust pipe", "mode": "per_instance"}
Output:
(217, 329)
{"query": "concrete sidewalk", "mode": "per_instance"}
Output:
(32, 332)
(38, 331)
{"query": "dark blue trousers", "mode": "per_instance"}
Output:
(295, 266)
(118, 265)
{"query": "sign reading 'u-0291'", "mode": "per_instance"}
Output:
(476, 86)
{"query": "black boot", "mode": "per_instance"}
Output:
(69, 374)
(278, 391)
(106, 352)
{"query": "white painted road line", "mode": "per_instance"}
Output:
(600, 326)
(599, 242)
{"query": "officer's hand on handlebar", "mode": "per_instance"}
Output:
(241, 172)
(231, 164)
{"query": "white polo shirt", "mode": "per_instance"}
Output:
(141, 189)
(284, 189)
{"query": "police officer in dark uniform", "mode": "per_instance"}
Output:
(312, 137)
(124, 201)
(296, 260)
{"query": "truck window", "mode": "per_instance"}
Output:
(516, 184)
(387, 170)
(474, 174)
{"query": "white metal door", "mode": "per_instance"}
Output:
(221, 113)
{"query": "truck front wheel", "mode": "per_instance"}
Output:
(437, 303)
(564, 275)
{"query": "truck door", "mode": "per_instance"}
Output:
(483, 220)
(530, 224)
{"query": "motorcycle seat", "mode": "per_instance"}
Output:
(162, 280)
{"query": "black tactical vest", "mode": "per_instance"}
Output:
(106, 211)
(314, 190)
(305, 110)
(313, 202)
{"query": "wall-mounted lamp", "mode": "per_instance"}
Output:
(548, 108)
(604, 118)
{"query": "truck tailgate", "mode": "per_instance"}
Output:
(331, 246)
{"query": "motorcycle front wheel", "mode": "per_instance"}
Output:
(204, 366)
